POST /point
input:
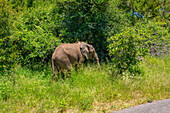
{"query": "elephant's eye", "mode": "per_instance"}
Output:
(91, 51)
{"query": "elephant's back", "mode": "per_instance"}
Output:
(65, 49)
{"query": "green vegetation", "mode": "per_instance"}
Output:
(129, 46)
(131, 38)
(88, 90)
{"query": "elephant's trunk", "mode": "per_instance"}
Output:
(97, 59)
(98, 64)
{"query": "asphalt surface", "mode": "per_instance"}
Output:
(161, 106)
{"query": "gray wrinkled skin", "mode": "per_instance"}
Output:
(66, 55)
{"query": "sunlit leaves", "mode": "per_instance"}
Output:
(33, 37)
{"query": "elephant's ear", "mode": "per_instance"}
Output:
(91, 49)
(84, 50)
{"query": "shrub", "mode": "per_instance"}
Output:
(149, 9)
(7, 16)
(125, 48)
(117, 19)
(155, 35)
(34, 37)
(84, 20)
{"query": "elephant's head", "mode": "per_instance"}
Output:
(88, 51)
(92, 52)
(84, 49)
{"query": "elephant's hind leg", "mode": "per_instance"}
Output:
(65, 66)
(55, 68)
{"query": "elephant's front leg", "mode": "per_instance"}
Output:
(80, 62)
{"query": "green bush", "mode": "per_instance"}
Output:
(125, 48)
(7, 16)
(92, 22)
(129, 46)
(28, 34)
(117, 19)
(155, 36)
(84, 20)
(147, 8)
(34, 36)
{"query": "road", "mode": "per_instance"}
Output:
(161, 106)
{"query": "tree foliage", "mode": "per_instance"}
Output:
(148, 8)
(30, 30)
(155, 36)
(84, 20)
(32, 37)
(128, 47)
(7, 16)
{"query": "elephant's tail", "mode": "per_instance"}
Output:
(53, 67)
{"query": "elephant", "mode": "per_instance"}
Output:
(67, 55)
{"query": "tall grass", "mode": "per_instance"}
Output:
(86, 90)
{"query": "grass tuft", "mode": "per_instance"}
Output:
(88, 89)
